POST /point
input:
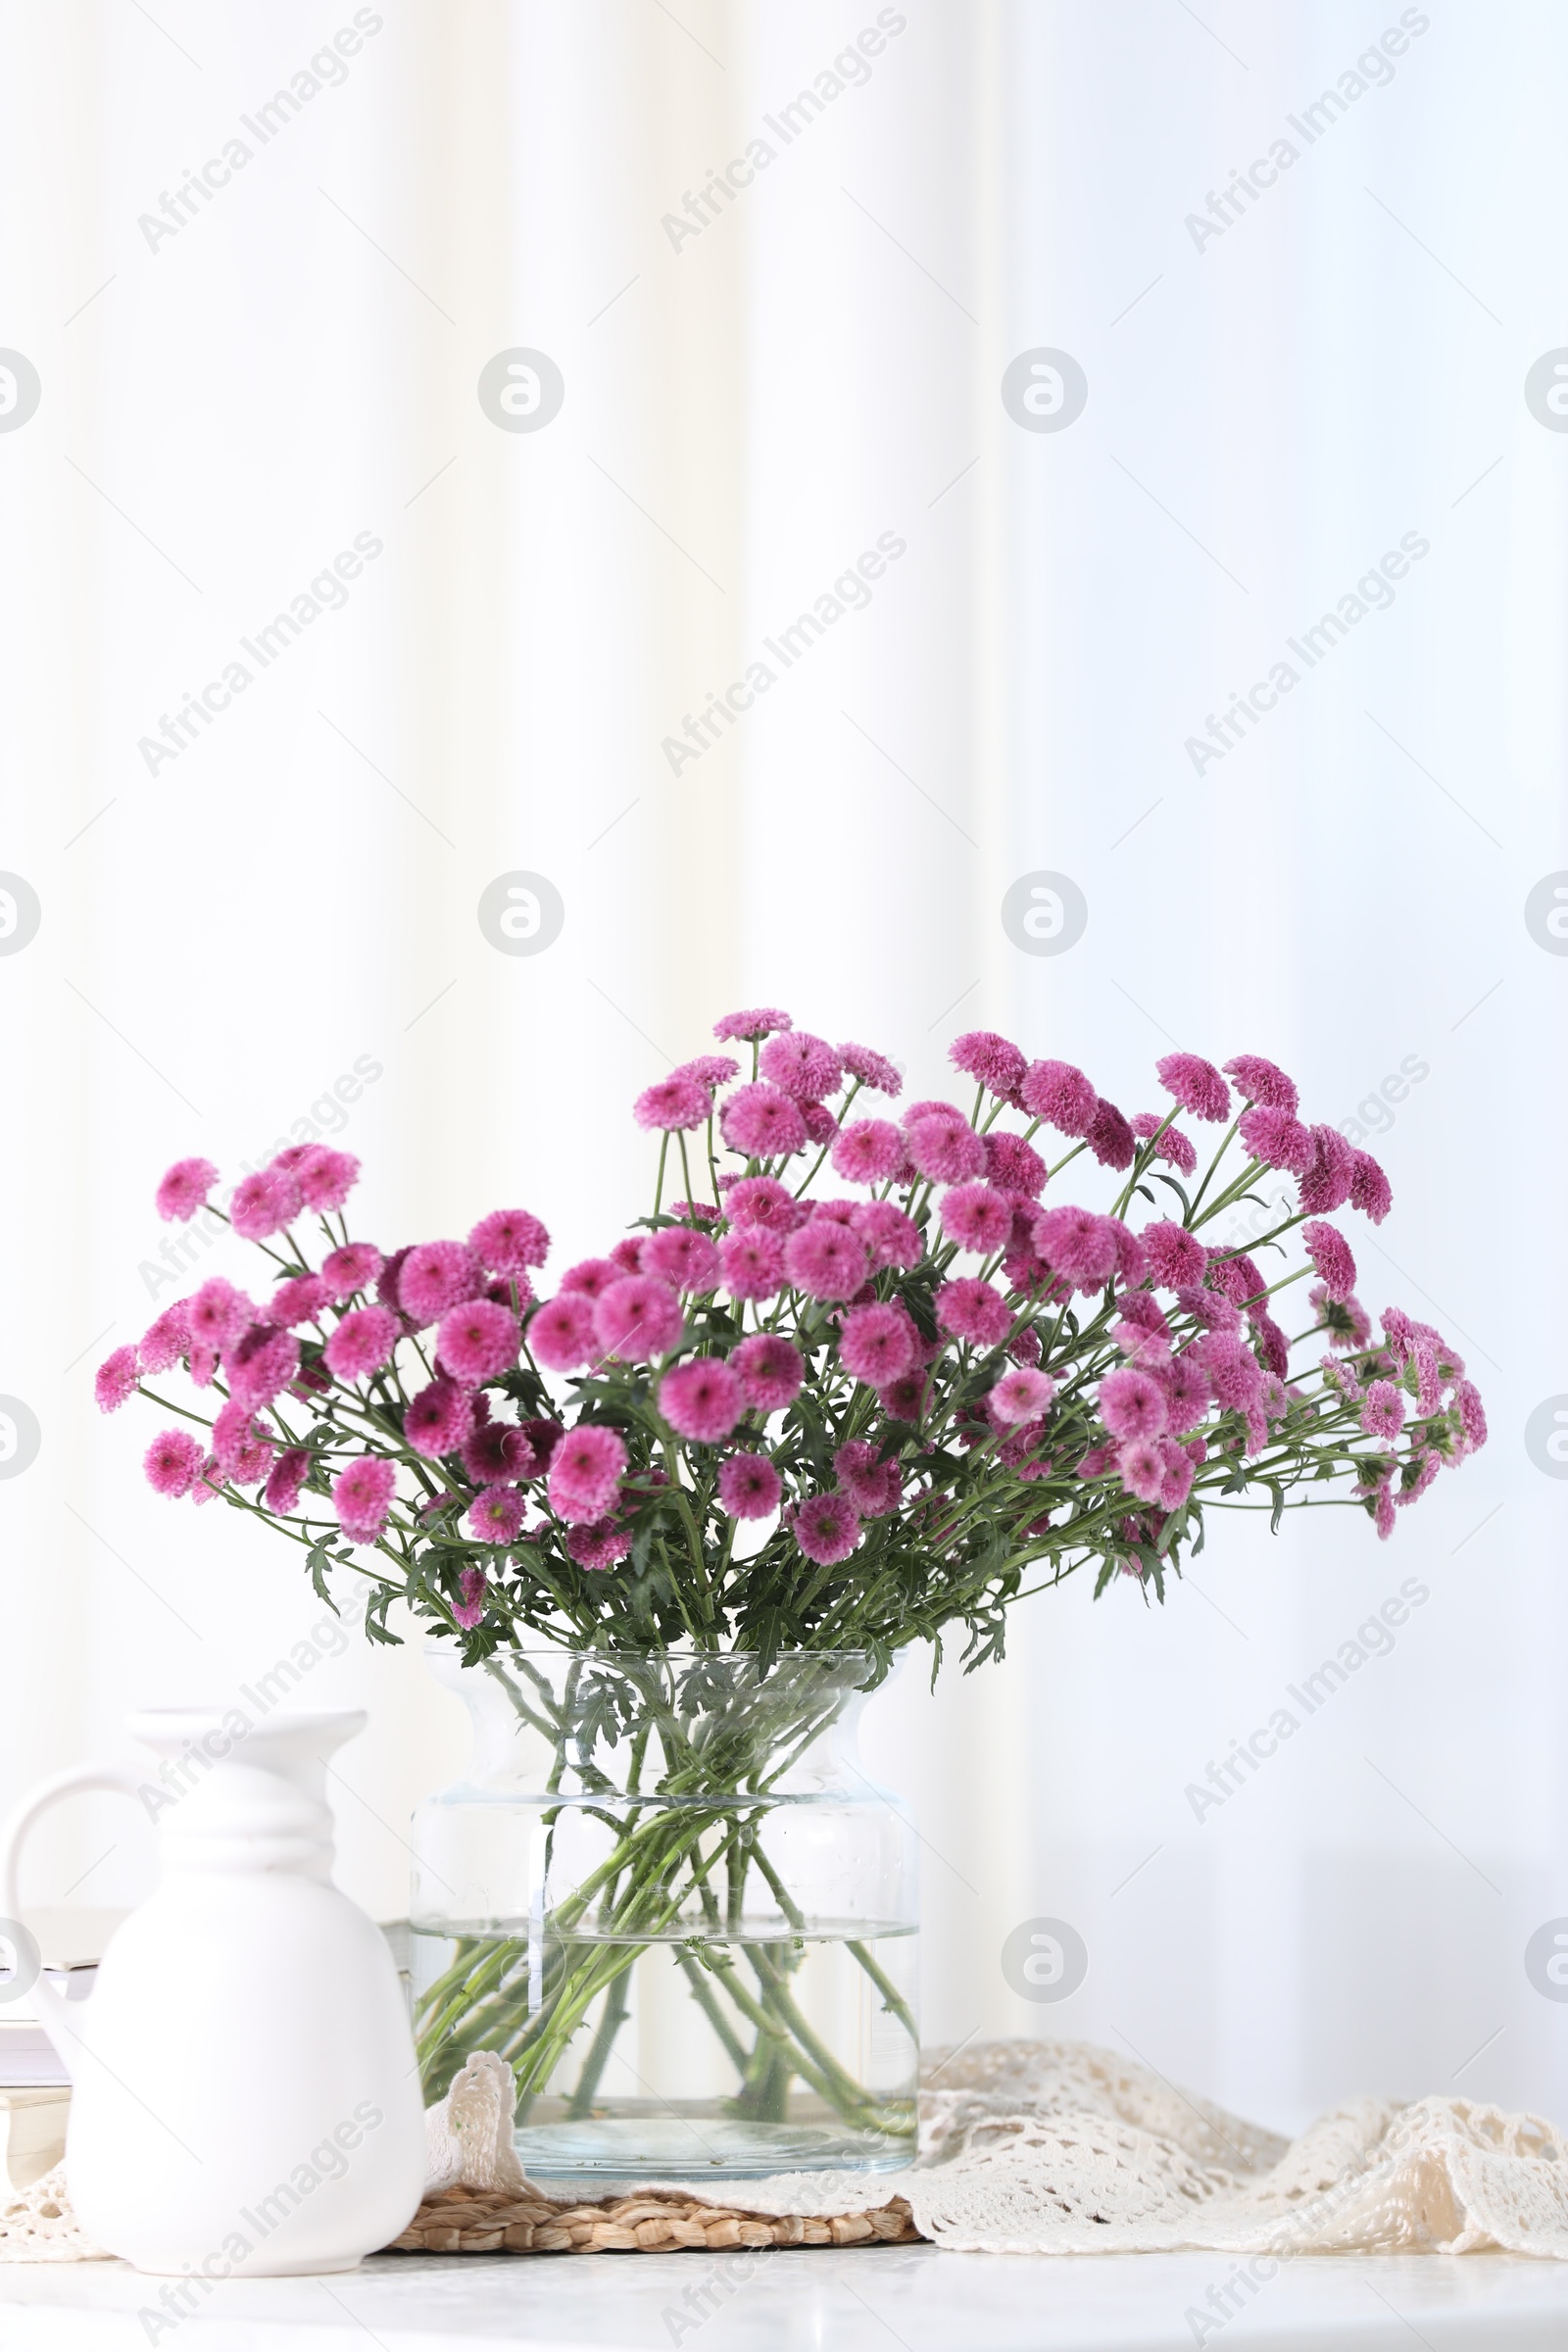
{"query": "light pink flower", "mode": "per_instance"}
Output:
(1132, 1403)
(327, 1177)
(286, 1483)
(868, 1151)
(1054, 1090)
(673, 1103)
(826, 1260)
(702, 1399)
(681, 1256)
(976, 1217)
(749, 1487)
(873, 1485)
(1196, 1084)
(1180, 1470)
(1140, 1467)
(876, 1344)
(591, 1277)
(1472, 1413)
(362, 1342)
(476, 1341)
(970, 1309)
(496, 1515)
(752, 1263)
(560, 1333)
(165, 1340)
(171, 1462)
(1077, 1244)
(750, 1026)
(509, 1241)
(1383, 1410)
(1330, 1254)
(762, 1121)
(115, 1379)
(770, 1371)
(991, 1059)
(262, 1205)
(1110, 1138)
(637, 1318)
(1233, 1370)
(297, 1301)
(804, 1066)
(182, 1191)
(586, 1472)
(945, 1148)
(219, 1313)
(439, 1419)
(1187, 1394)
(891, 1237)
(363, 1495)
(1263, 1082)
(826, 1528)
(261, 1364)
(708, 1070)
(763, 1201)
(437, 1275)
(1370, 1191)
(873, 1070)
(1020, 1395)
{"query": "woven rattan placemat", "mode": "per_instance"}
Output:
(469, 2221)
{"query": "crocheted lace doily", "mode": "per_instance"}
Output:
(1059, 2147)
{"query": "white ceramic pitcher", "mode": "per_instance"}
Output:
(245, 2099)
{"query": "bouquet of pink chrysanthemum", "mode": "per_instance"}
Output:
(771, 1419)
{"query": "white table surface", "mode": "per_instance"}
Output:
(810, 2300)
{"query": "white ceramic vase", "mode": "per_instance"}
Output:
(245, 2098)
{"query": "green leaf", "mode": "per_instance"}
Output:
(317, 1562)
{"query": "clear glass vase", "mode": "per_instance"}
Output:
(670, 1898)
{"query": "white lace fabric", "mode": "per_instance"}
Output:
(1059, 2147)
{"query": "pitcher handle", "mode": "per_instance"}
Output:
(54, 2010)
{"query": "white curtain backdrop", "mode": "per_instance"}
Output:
(280, 923)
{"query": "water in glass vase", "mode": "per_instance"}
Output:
(682, 2057)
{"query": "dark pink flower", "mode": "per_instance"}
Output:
(1013, 1165)
(821, 1124)
(681, 1256)
(1370, 1191)
(762, 1121)
(1383, 1410)
(1231, 1368)
(750, 1026)
(261, 1364)
(1054, 1090)
(826, 1528)
(873, 1485)
(944, 1147)
(1110, 1138)
(1277, 1138)
(671, 1103)
(637, 1318)
(826, 1260)
(1328, 1182)
(983, 1055)
(586, 1472)
(439, 1418)
(363, 1495)
(362, 1342)
(1077, 1244)
(1130, 1265)
(509, 1241)
(876, 1344)
(976, 1217)
(868, 1151)
(165, 1340)
(805, 1067)
(1196, 1084)
(326, 1178)
(288, 1475)
(298, 1301)
(600, 1544)
(749, 1487)
(498, 1452)
(970, 1309)
(262, 1205)
(1263, 1082)
(1020, 1395)
(352, 1269)
(1175, 1255)
(437, 1275)
(1132, 1403)
(1172, 1145)
(1236, 1278)
(770, 1371)
(475, 1341)
(1270, 1342)
(219, 1313)
(171, 1462)
(560, 1333)
(1140, 1467)
(468, 1607)
(702, 1399)
(873, 1070)
(891, 1237)
(115, 1379)
(496, 1515)
(752, 1263)
(181, 1193)
(1144, 1308)
(1330, 1254)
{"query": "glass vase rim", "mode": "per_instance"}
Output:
(683, 1654)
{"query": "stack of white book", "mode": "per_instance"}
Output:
(34, 2087)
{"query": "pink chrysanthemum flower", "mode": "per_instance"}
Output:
(762, 1121)
(637, 1318)
(1236, 1278)
(1110, 1137)
(262, 1205)
(770, 1371)
(1233, 1370)
(876, 1344)
(599, 1544)
(586, 1472)
(683, 1257)
(971, 1310)
(203, 1364)
(560, 1333)
(873, 1070)
(235, 1430)
(1077, 1244)
(1020, 1395)
(326, 1178)
(1271, 1344)
(1328, 1182)
(749, 1487)
(748, 1027)
(476, 1341)
(827, 1528)
(945, 1148)
(439, 1419)
(167, 1339)
(1370, 1191)
(1196, 1084)
(509, 1241)
(991, 1059)
(708, 1070)
(1330, 1254)
(287, 1480)
(297, 1301)
(115, 1379)
(1059, 1094)
(468, 1607)
(361, 1344)
(763, 1201)
(1144, 1308)
(804, 1066)
(976, 1217)
(821, 1124)
(498, 1452)
(1382, 1410)
(591, 1277)
(1173, 1147)
(826, 1260)
(1277, 1138)
(1187, 1394)
(868, 1151)
(171, 1462)
(219, 1313)
(1180, 1470)
(891, 1237)
(873, 1485)
(1132, 1403)
(496, 1516)
(1013, 1165)
(352, 1269)
(1472, 1414)
(435, 1276)
(906, 1399)
(183, 1190)
(261, 1364)
(1175, 1255)
(671, 1103)
(1263, 1082)
(363, 1495)
(1349, 1323)
(206, 1486)
(751, 1261)
(1140, 1467)
(702, 1399)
